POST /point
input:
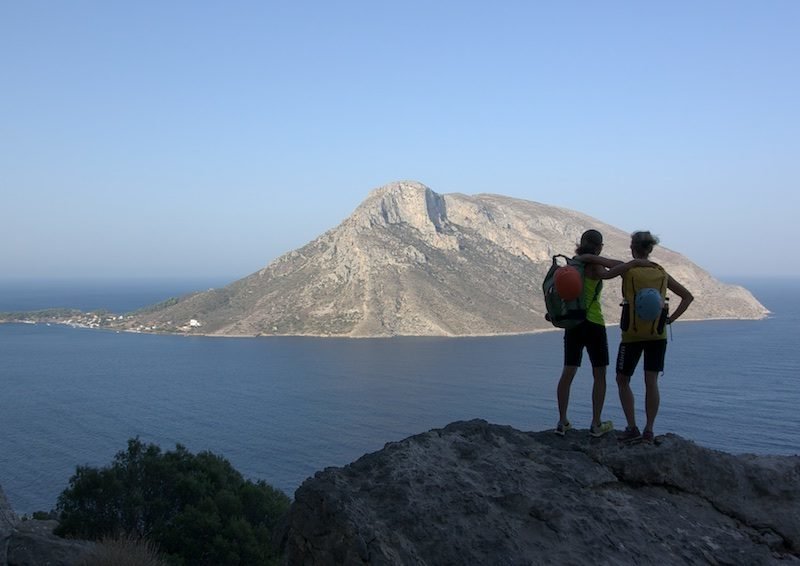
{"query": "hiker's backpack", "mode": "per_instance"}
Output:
(644, 302)
(560, 312)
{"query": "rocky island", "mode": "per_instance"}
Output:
(410, 261)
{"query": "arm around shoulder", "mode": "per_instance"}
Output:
(598, 259)
(621, 268)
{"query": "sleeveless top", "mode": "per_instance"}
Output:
(594, 311)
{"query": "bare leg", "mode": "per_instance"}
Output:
(598, 393)
(564, 384)
(626, 399)
(652, 398)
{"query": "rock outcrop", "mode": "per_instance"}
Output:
(410, 261)
(31, 542)
(477, 493)
(8, 519)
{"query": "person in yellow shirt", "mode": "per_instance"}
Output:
(644, 331)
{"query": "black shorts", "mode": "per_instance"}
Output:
(591, 336)
(629, 353)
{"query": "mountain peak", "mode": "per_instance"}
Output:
(403, 202)
(399, 187)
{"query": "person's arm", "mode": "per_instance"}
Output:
(621, 268)
(598, 260)
(684, 294)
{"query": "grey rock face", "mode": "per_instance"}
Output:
(410, 261)
(8, 519)
(34, 544)
(476, 493)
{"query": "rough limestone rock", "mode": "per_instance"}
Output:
(8, 519)
(409, 261)
(32, 542)
(477, 493)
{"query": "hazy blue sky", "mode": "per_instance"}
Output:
(193, 138)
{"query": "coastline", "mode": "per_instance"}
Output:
(110, 328)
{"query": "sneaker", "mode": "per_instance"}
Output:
(601, 429)
(630, 435)
(562, 428)
(647, 436)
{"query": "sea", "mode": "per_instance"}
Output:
(280, 409)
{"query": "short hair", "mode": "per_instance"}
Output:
(591, 242)
(643, 241)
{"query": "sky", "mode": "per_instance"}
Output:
(190, 139)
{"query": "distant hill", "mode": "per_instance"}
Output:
(409, 261)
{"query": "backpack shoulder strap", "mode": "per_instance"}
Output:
(665, 281)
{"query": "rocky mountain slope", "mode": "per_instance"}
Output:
(477, 493)
(410, 261)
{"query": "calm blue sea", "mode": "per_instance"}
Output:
(282, 408)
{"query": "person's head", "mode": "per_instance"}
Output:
(591, 243)
(642, 244)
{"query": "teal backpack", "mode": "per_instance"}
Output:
(565, 313)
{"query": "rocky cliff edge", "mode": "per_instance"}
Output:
(31, 542)
(479, 493)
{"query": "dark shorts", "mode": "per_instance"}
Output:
(587, 335)
(629, 353)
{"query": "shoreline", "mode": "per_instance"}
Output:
(340, 336)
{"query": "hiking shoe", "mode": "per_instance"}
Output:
(562, 428)
(647, 436)
(601, 429)
(630, 435)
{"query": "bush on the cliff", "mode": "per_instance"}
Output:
(197, 508)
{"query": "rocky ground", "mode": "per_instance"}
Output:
(483, 494)
(31, 542)
(477, 493)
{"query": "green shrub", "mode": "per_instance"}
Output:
(196, 508)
